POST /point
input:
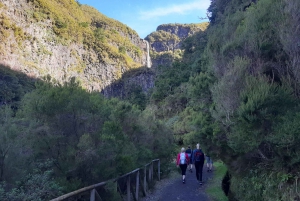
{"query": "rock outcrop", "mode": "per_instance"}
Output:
(169, 36)
(166, 41)
(143, 78)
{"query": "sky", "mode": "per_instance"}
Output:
(145, 16)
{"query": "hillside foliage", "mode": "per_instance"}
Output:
(58, 138)
(240, 98)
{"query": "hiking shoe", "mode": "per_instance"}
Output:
(200, 182)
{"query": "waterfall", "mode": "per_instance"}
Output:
(148, 54)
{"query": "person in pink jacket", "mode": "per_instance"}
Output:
(182, 162)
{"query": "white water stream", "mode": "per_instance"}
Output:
(148, 59)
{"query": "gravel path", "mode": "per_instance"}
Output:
(172, 188)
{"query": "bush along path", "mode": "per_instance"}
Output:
(173, 189)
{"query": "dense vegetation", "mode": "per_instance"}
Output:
(237, 92)
(57, 138)
(256, 96)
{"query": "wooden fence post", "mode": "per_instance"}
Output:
(137, 185)
(128, 188)
(92, 196)
(145, 179)
(158, 169)
(149, 175)
(152, 173)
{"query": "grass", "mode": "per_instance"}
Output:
(214, 189)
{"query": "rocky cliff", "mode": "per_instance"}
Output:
(142, 78)
(64, 39)
(166, 41)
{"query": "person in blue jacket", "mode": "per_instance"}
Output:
(198, 159)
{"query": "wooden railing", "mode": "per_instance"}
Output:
(131, 187)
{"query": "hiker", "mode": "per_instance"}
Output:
(209, 163)
(182, 161)
(198, 159)
(189, 152)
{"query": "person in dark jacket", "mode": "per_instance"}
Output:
(198, 159)
(189, 152)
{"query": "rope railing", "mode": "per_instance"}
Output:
(95, 195)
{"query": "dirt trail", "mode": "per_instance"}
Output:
(172, 189)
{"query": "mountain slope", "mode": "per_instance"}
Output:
(65, 39)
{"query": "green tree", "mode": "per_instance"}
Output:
(8, 136)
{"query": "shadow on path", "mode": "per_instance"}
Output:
(174, 190)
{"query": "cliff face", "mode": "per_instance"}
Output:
(180, 30)
(143, 78)
(166, 41)
(169, 36)
(37, 40)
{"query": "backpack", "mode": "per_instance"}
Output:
(198, 155)
(182, 158)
